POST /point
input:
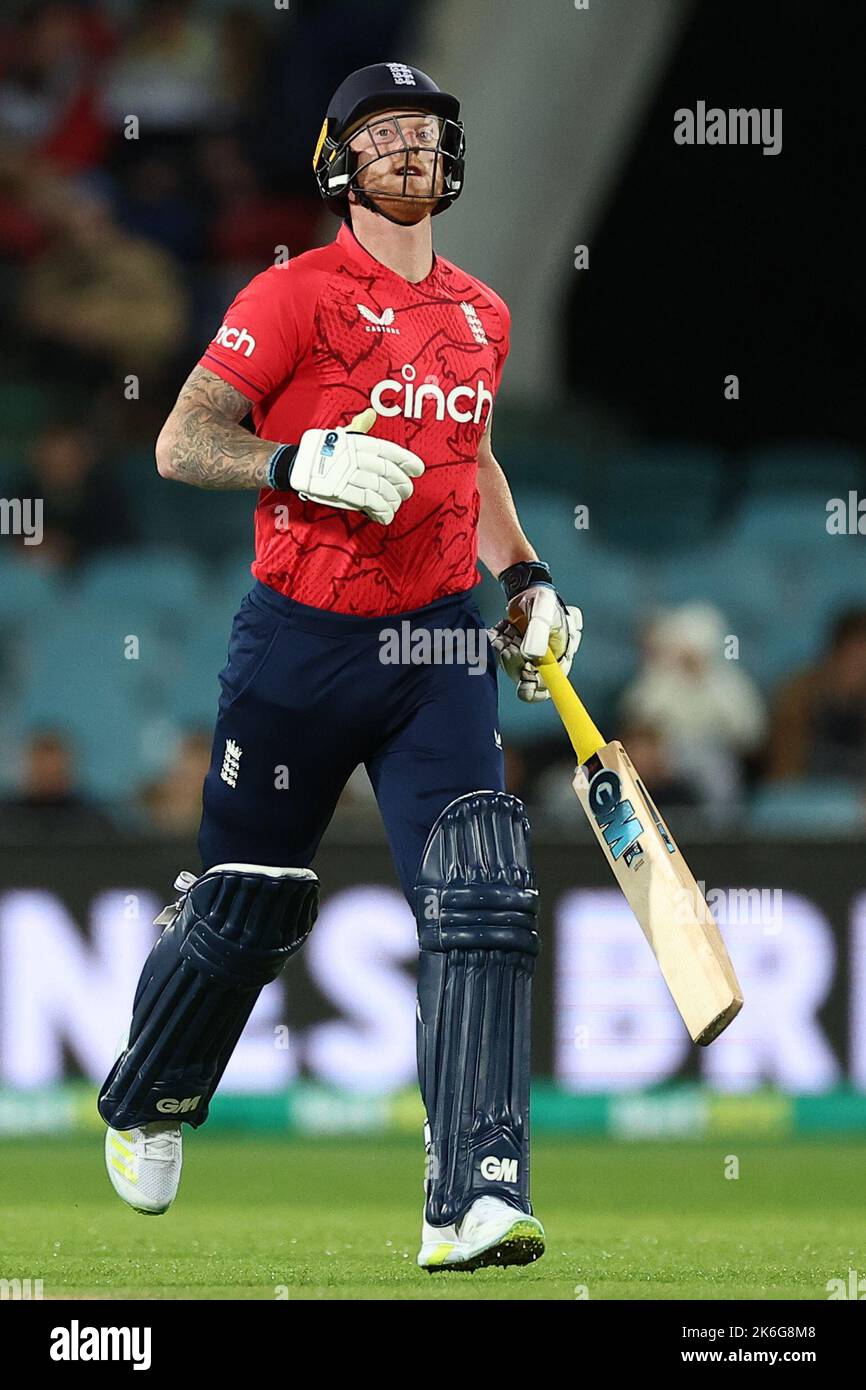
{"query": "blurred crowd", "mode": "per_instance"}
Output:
(695, 725)
(153, 156)
(50, 801)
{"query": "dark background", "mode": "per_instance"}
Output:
(736, 261)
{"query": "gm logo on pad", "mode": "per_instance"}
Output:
(169, 1106)
(499, 1169)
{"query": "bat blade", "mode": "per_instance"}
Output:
(661, 891)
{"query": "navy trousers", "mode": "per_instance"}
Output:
(306, 698)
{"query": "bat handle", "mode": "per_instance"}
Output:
(585, 737)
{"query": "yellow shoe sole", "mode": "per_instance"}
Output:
(522, 1244)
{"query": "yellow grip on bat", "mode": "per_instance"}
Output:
(585, 737)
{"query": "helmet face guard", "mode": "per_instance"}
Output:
(428, 157)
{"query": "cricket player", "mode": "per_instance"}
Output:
(370, 367)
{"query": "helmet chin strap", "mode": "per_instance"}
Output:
(367, 202)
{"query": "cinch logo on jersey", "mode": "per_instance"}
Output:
(616, 818)
(499, 1169)
(237, 339)
(412, 399)
(377, 323)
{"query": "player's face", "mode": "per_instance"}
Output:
(397, 156)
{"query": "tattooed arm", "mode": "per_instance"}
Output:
(202, 442)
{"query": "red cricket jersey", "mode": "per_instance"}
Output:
(317, 340)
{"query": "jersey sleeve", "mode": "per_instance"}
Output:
(260, 341)
(504, 344)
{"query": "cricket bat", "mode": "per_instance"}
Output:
(657, 882)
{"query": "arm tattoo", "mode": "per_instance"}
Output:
(206, 445)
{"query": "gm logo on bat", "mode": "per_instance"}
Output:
(615, 816)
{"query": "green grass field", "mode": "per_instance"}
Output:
(339, 1219)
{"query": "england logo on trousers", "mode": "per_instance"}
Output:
(231, 762)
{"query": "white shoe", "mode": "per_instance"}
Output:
(144, 1164)
(491, 1233)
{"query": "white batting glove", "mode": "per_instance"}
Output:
(348, 468)
(537, 619)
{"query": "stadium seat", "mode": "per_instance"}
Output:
(234, 571)
(777, 605)
(524, 723)
(538, 450)
(615, 582)
(211, 521)
(612, 589)
(784, 652)
(585, 567)
(79, 679)
(744, 584)
(170, 584)
(656, 499)
(835, 580)
(28, 590)
(829, 468)
(808, 808)
(790, 524)
(28, 594)
(548, 520)
(194, 693)
(205, 521)
(819, 572)
(604, 665)
(728, 573)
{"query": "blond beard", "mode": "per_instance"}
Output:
(407, 210)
